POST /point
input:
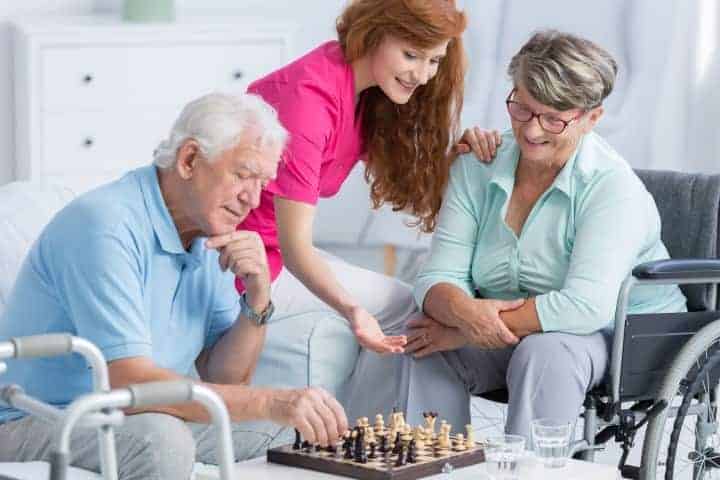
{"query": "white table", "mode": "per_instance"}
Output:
(259, 469)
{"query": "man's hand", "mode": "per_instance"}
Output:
(243, 253)
(483, 143)
(485, 329)
(427, 336)
(370, 335)
(313, 411)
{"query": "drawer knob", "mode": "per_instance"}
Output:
(238, 75)
(88, 142)
(88, 78)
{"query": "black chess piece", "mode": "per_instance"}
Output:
(372, 450)
(398, 442)
(348, 446)
(401, 457)
(298, 440)
(383, 443)
(307, 448)
(360, 456)
(412, 452)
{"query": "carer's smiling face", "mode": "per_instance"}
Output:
(399, 68)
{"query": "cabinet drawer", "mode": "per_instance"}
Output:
(96, 143)
(156, 76)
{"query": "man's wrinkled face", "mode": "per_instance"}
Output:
(225, 189)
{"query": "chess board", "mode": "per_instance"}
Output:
(429, 462)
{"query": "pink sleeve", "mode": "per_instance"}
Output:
(309, 114)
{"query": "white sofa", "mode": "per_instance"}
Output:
(300, 350)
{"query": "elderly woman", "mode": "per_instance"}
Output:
(530, 251)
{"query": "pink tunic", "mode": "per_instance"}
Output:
(315, 100)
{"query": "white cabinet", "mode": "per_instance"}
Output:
(94, 96)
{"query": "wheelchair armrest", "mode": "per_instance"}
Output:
(678, 269)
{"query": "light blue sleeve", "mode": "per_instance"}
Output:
(614, 219)
(225, 309)
(453, 243)
(100, 281)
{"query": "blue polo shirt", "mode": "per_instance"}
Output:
(110, 267)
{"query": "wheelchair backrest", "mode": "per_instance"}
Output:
(689, 206)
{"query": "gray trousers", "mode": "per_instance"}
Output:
(546, 374)
(150, 446)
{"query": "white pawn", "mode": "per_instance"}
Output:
(379, 424)
(460, 442)
(470, 438)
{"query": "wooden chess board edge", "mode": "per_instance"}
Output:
(281, 456)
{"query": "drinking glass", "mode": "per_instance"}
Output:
(551, 441)
(502, 455)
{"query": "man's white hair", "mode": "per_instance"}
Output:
(217, 121)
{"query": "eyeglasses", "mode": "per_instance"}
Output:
(549, 122)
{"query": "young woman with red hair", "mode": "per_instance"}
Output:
(389, 91)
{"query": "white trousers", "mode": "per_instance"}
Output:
(381, 382)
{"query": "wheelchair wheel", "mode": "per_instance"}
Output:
(683, 441)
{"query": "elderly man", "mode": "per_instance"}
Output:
(144, 268)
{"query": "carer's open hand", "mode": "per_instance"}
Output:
(369, 334)
(243, 253)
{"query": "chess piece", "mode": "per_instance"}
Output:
(430, 418)
(370, 436)
(307, 448)
(379, 424)
(412, 452)
(405, 436)
(397, 444)
(460, 442)
(298, 442)
(470, 438)
(384, 443)
(401, 457)
(372, 450)
(359, 454)
(419, 437)
(348, 445)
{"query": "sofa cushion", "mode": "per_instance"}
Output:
(312, 348)
(25, 209)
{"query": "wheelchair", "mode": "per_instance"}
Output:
(101, 409)
(665, 368)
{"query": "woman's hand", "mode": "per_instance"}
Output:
(483, 143)
(428, 336)
(370, 335)
(483, 326)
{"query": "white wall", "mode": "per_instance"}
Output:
(315, 19)
(8, 9)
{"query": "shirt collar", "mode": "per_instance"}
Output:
(504, 173)
(163, 224)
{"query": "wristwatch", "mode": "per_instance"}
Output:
(257, 318)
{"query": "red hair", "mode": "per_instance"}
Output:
(409, 146)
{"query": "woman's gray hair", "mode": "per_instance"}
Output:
(217, 121)
(564, 71)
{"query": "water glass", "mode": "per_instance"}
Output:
(502, 456)
(551, 441)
